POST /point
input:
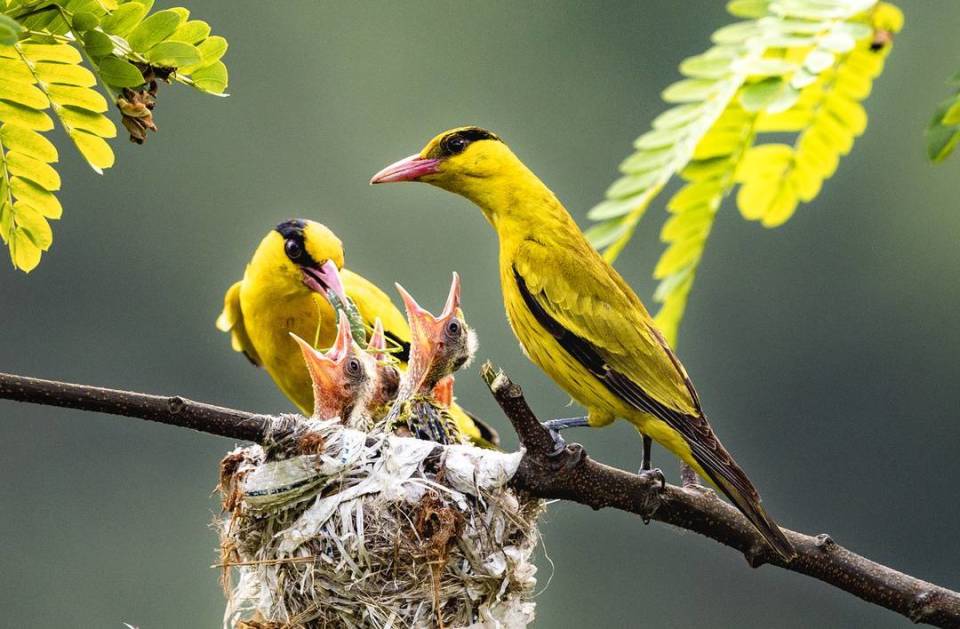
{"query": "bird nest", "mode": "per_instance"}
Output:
(334, 527)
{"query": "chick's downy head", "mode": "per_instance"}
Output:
(440, 345)
(342, 377)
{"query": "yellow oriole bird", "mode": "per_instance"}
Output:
(284, 290)
(576, 317)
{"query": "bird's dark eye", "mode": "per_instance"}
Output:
(454, 328)
(455, 144)
(293, 249)
(353, 367)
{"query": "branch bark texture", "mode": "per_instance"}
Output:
(567, 474)
(571, 475)
(172, 410)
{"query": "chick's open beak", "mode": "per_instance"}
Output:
(377, 345)
(323, 370)
(326, 372)
(427, 330)
(407, 169)
(422, 324)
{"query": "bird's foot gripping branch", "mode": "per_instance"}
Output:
(544, 473)
(569, 474)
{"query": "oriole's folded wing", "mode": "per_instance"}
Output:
(602, 322)
(604, 327)
(231, 320)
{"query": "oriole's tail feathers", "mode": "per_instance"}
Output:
(733, 482)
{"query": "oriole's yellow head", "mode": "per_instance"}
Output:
(469, 161)
(303, 254)
(476, 164)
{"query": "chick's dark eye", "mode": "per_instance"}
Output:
(293, 249)
(454, 328)
(353, 367)
(456, 144)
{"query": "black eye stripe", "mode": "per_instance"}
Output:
(293, 230)
(458, 141)
(474, 134)
(292, 227)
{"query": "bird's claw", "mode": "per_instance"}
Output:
(654, 475)
(559, 444)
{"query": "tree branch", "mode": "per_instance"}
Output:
(172, 410)
(569, 474)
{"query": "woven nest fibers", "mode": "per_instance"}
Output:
(334, 527)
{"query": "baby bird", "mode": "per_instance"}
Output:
(439, 346)
(343, 378)
(386, 374)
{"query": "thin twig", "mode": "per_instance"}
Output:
(569, 475)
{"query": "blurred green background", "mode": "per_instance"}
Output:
(825, 351)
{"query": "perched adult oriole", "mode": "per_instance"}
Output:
(284, 289)
(576, 317)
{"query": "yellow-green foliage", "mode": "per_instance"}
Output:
(943, 134)
(53, 54)
(798, 67)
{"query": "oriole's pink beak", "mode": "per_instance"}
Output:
(327, 277)
(407, 169)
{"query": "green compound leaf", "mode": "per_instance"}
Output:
(97, 44)
(192, 32)
(43, 77)
(120, 73)
(943, 132)
(799, 67)
(124, 19)
(154, 30)
(212, 78)
(173, 54)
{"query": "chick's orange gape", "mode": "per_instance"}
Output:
(576, 317)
